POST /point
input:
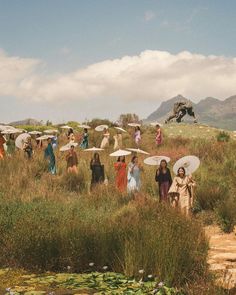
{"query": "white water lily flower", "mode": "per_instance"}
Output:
(68, 267)
(149, 276)
(141, 271)
(161, 284)
(91, 264)
(105, 267)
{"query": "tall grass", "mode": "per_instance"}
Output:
(49, 222)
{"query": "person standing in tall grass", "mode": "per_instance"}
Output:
(98, 175)
(137, 136)
(181, 191)
(28, 148)
(163, 177)
(159, 136)
(49, 155)
(121, 174)
(105, 140)
(84, 143)
(72, 160)
(2, 141)
(134, 175)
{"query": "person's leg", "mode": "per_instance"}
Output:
(192, 114)
(181, 114)
(170, 118)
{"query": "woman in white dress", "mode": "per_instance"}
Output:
(134, 171)
(181, 191)
(105, 140)
(117, 141)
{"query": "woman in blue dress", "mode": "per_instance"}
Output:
(49, 155)
(84, 143)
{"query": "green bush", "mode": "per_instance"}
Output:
(223, 137)
(225, 212)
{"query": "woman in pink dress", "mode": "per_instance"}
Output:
(137, 136)
(159, 137)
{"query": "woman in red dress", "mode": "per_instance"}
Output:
(2, 141)
(121, 174)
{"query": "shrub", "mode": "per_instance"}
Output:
(225, 212)
(223, 137)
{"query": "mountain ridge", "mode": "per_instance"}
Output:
(210, 111)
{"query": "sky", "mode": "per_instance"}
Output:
(74, 60)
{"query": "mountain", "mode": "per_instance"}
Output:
(26, 122)
(210, 111)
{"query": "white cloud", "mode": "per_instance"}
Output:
(149, 15)
(150, 76)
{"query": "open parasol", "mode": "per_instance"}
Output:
(134, 124)
(65, 127)
(155, 124)
(35, 132)
(44, 137)
(190, 164)
(68, 146)
(21, 139)
(101, 127)
(120, 153)
(93, 149)
(84, 126)
(120, 129)
(138, 151)
(51, 131)
(156, 160)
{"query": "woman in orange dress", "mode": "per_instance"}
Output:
(121, 174)
(2, 151)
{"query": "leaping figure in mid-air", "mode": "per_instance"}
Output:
(180, 110)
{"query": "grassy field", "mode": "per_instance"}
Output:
(50, 223)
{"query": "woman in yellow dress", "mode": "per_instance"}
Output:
(181, 191)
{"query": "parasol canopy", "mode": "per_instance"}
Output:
(21, 139)
(65, 127)
(120, 129)
(155, 123)
(44, 137)
(101, 127)
(68, 146)
(51, 131)
(190, 164)
(156, 160)
(134, 124)
(84, 126)
(120, 153)
(138, 151)
(93, 149)
(35, 132)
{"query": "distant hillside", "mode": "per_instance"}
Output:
(211, 111)
(26, 122)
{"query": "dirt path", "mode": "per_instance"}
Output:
(222, 256)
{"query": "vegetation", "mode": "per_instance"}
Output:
(52, 222)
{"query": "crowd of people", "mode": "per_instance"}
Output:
(178, 192)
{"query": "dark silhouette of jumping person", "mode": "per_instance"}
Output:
(180, 109)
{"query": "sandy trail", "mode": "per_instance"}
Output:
(222, 256)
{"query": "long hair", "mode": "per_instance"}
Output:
(133, 159)
(163, 161)
(181, 168)
(96, 158)
(119, 159)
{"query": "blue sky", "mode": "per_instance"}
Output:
(72, 34)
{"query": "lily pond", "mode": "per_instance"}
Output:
(14, 282)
